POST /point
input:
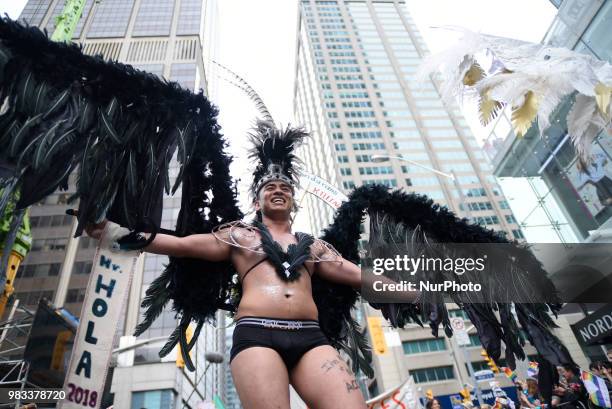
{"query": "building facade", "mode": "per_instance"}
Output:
(357, 93)
(174, 39)
(567, 205)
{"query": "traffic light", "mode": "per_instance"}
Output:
(59, 349)
(489, 361)
(466, 395)
(429, 394)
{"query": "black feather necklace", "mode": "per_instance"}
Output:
(286, 264)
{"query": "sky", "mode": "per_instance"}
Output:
(257, 40)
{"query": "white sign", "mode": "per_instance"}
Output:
(459, 332)
(392, 338)
(457, 324)
(484, 375)
(402, 397)
(106, 294)
(323, 190)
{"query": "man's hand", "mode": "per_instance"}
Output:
(93, 230)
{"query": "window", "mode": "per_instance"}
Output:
(362, 124)
(476, 192)
(340, 147)
(368, 146)
(481, 365)
(159, 399)
(345, 171)
(359, 114)
(82, 267)
(440, 373)
(412, 145)
(386, 182)
(348, 184)
(424, 345)
(510, 218)
(366, 135)
(486, 220)
(518, 234)
(446, 144)
(356, 104)
(458, 314)
(479, 206)
(452, 155)
(474, 340)
(405, 123)
(376, 170)
(343, 159)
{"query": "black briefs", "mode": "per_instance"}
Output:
(290, 338)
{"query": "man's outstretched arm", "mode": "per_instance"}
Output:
(203, 246)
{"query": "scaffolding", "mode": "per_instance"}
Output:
(14, 334)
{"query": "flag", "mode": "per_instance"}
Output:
(509, 373)
(598, 392)
(532, 370)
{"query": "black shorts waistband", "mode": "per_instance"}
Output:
(277, 323)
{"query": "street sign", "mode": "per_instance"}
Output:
(456, 401)
(461, 335)
(484, 375)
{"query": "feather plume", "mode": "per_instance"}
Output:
(274, 146)
(252, 94)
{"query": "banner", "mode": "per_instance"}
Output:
(403, 397)
(379, 343)
(323, 190)
(107, 291)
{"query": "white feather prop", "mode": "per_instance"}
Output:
(531, 78)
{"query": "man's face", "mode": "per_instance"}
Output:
(275, 197)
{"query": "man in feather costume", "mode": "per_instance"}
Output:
(277, 332)
(118, 128)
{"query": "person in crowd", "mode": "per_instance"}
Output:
(570, 392)
(529, 394)
(432, 404)
(604, 371)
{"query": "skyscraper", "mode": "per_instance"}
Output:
(357, 93)
(172, 39)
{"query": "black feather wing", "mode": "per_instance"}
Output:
(118, 129)
(408, 216)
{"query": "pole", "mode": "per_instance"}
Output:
(468, 361)
(417, 164)
(67, 21)
(467, 210)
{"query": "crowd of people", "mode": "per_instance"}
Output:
(569, 392)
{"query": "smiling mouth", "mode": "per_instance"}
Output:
(278, 200)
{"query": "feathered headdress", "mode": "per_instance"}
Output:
(273, 147)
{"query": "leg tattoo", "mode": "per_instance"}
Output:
(351, 386)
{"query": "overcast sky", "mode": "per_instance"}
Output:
(257, 38)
